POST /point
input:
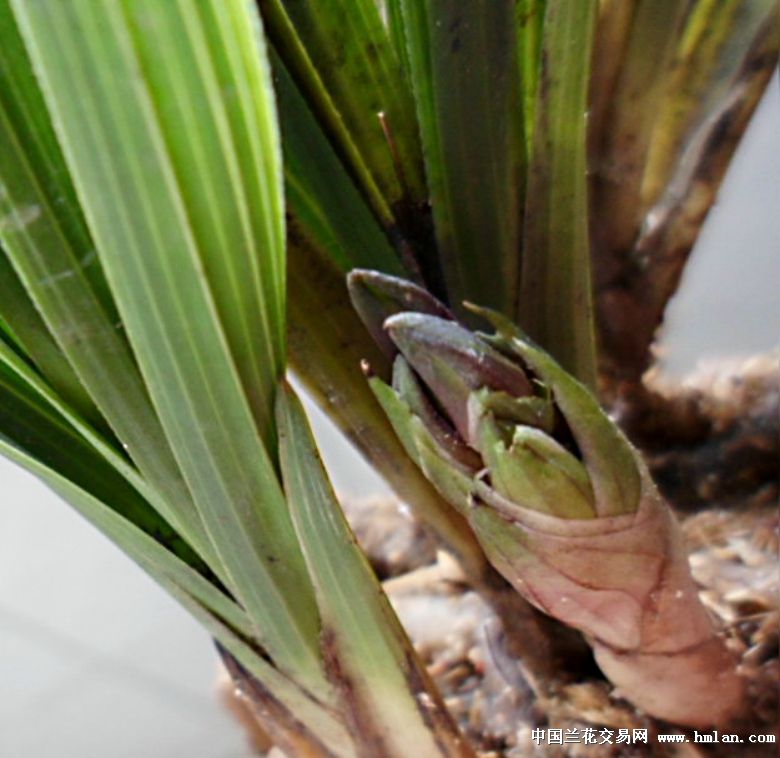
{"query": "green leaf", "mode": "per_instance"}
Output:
(395, 25)
(50, 248)
(530, 22)
(327, 206)
(125, 145)
(33, 425)
(33, 337)
(143, 548)
(284, 37)
(228, 172)
(463, 59)
(556, 299)
(220, 615)
(393, 709)
(19, 373)
(29, 139)
(361, 75)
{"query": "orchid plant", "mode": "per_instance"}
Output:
(184, 187)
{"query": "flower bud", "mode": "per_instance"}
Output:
(453, 362)
(562, 504)
(377, 296)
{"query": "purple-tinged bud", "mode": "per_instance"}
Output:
(453, 362)
(377, 296)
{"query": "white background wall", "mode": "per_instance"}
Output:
(97, 662)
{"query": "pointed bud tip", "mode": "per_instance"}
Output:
(413, 332)
(404, 321)
(393, 294)
(360, 276)
(453, 362)
(376, 296)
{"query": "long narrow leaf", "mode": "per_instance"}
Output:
(463, 59)
(44, 234)
(556, 299)
(298, 61)
(27, 126)
(220, 615)
(530, 20)
(392, 708)
(359, 67)
(228, 173)
(22, 372)
(30, 331)
(394, 20)
(119, 142)
(145, 550)
(30, 422)
(321, 195)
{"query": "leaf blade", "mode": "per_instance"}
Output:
(138, 212)
(51, 251)
(228, 172)
(357, 71)
(36, 426)
(326, 203)
(556, 298)
(32, 334)
(371, 658)
(463, 59)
